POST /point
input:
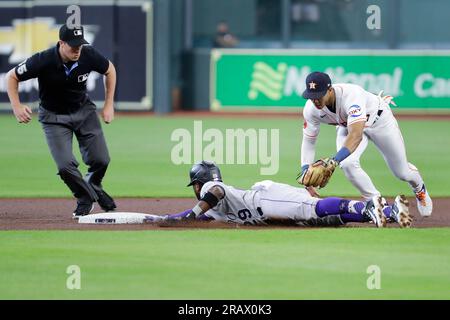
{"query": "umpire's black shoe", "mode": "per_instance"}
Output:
(83, 209)
(105, 201)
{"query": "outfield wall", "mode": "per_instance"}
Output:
(275, 79)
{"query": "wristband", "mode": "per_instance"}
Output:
(197, 210)
(342, 154)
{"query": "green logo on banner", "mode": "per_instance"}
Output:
(267, 81)
(273, 79)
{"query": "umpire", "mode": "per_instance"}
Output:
(65, 109)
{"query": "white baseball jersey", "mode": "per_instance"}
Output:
(265, 201)
(354, 104)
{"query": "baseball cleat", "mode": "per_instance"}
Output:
(105, 201)
(400, 212)
(385, 209)
(82, 209)
(374, 210)
(424, 203)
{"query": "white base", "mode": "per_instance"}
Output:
(115, 218)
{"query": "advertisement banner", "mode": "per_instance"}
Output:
(121, 31)
(268, 79)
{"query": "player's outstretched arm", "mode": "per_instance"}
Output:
(185, 215)
(208, 201)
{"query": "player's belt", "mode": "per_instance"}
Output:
(379, 112)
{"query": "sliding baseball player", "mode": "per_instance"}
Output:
(268, 202)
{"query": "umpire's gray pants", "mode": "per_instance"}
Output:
(59, 130)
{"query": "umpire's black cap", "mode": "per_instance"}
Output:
(73, 36)
(317, 84)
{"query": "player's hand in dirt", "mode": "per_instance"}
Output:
(153, 218)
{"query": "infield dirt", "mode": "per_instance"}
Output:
(56, 214)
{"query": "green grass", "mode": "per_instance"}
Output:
(140, 149)
(226, 264)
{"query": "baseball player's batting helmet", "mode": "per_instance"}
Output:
(203, 172)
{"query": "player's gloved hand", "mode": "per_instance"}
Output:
(153, 218)
(302, 173)
(190, 216)
(330, 165)
(187, 215)
(319, 173)
(331, 162)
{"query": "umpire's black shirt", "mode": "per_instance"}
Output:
(62, 87)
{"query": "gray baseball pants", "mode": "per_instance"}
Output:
(85, 125)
